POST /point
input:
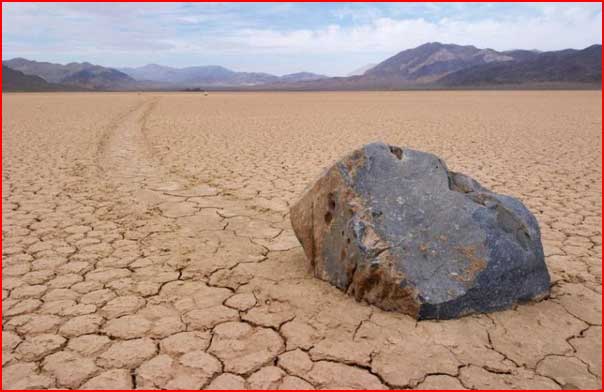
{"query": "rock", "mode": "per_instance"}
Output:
(399, 230)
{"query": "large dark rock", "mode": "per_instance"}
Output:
(396, 228)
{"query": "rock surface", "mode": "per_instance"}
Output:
(396, 228)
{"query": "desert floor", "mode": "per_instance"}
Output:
(147, 243)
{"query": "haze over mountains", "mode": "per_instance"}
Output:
(432, 65)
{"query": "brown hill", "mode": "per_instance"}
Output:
(83, 75)
(17, 81)
(565, 66)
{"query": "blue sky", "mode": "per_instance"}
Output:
(329, 38)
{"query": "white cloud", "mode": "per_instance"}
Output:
(357, 13)
(340, 38)
(558, 27)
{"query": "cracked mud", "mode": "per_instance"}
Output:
(147, 244)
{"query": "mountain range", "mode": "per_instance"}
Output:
(151, 76)
(82, 75)
(447, 66)
(18, 81)
(211, 75)
(565, 66)
(428, 66)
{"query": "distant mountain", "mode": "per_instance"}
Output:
(430, 66)
(211, 75)
(431, 61)
(84, 75)
(301, 77)
(207, 75)
(52, 73)
(17, 81)
(436, 65)
(99, 78)
(565, 66)
(154, 72)
(362, 70)
(412, 68)
(522, 55)
(250, 79)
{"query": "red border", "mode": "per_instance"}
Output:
(296, 1)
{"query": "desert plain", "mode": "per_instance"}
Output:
(147, 243)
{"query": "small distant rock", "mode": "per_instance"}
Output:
(396, 228)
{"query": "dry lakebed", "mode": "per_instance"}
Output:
(147, 241)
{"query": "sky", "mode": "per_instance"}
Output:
(279, 38)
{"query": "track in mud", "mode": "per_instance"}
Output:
(122, 271)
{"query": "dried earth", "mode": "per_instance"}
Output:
(146, 241)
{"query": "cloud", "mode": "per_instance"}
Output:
(359, 14)
(327, 33)
(555, 28)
